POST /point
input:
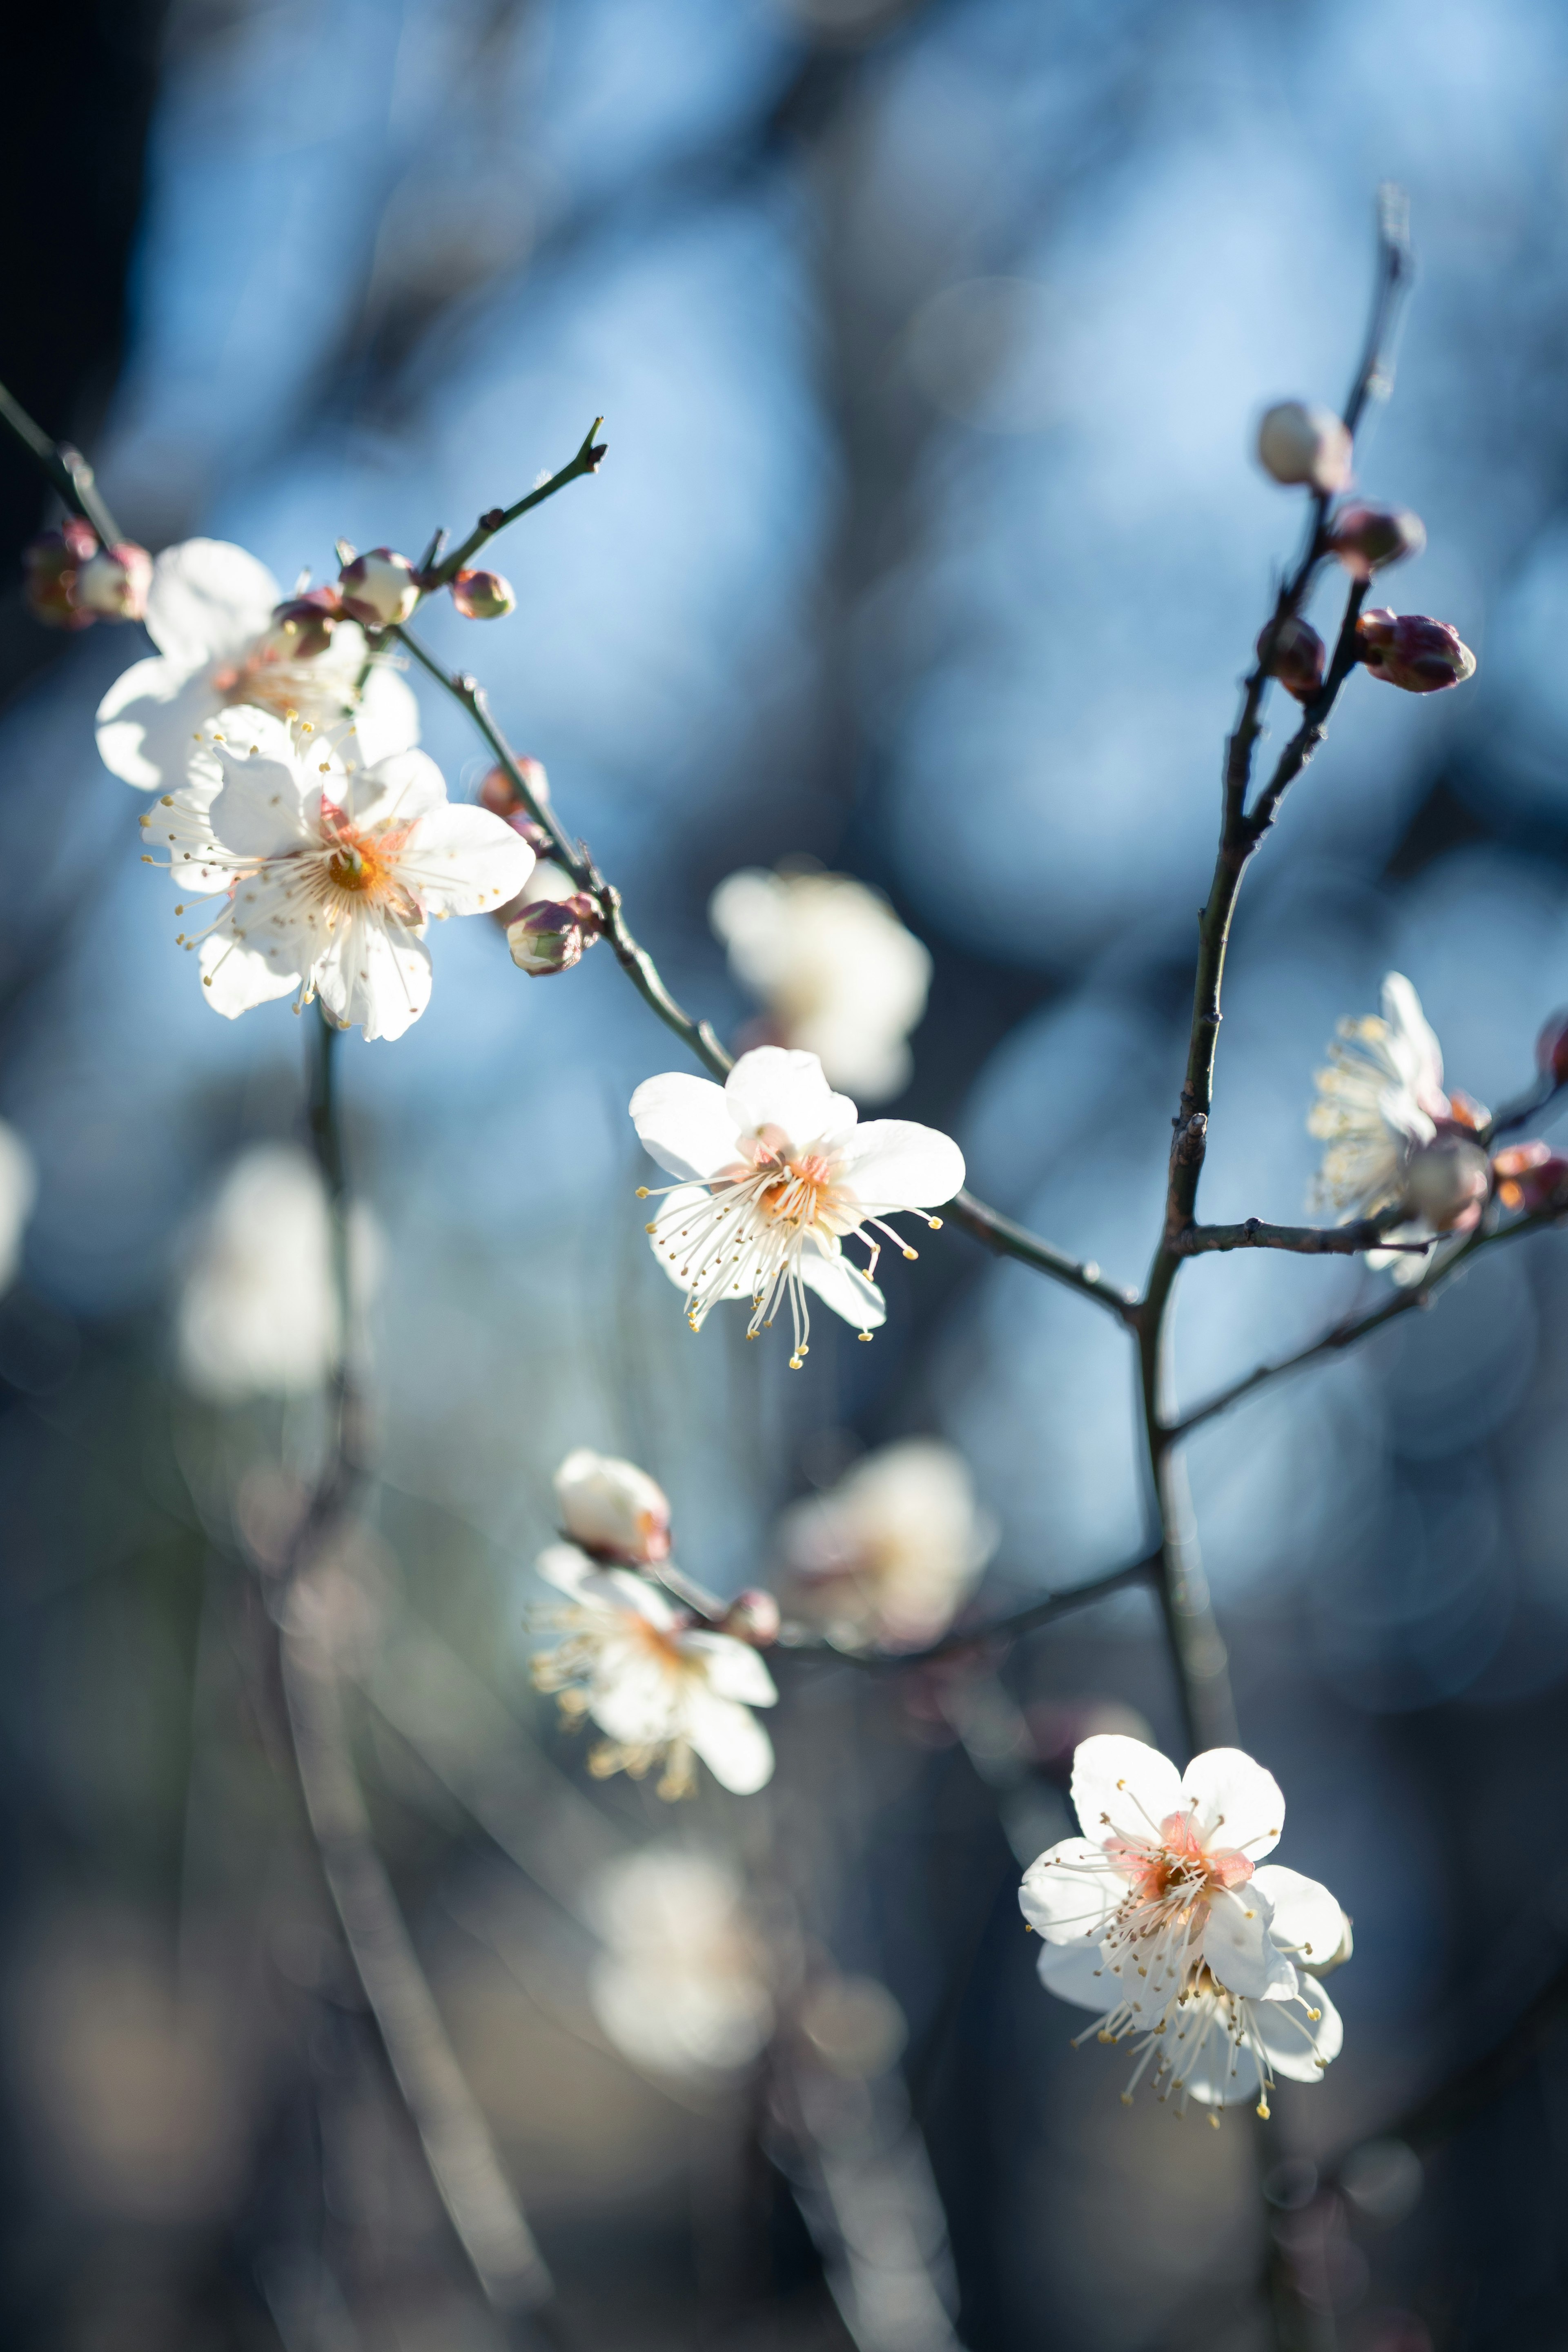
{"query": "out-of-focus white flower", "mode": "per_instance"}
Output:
(18, 1190)
(889, 1553)
(1392, 1132)
(328, 873)
(839, 974)
(775, 1172)
(661, 1689)
(213, 612)
(1299, 442)
(612, 1508)
(258, 1314)
(681, 1986)
(1160, 1918)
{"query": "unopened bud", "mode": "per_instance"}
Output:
(302, 628)
(380, 588)
(53, 565)
(1296, 443)
(1448, 1182)
(499, 793)
(1408, 649)
(483, 595)
(550, 935)
(1366, 539)
(1531, 1176)
(752, 1616)
(113, 583)
(1552, 1049)
(1298, 657)
(612, 1508)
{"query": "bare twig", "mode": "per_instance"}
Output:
(1009, 1240)
(496, 519)
(1306, 1241)
(1043, 1611)
(64, 468)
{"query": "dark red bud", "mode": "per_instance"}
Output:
(1413, 651)
(1299, 657)
(1552, 1049)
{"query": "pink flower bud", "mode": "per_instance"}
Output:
(1298, 657)
(752, 1616)
(1449, 1182)
(1531, 1176)
(379, 588)
(483, 595)
(1552, 1049)
(53, 564)
(500, 794)
(551, 934)
(611, 1508)
(304, 628)
(1366, 538)
(1408, 649)
(1296, 443)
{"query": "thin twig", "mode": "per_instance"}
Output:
(496, 519)
(1043, 1611)
(1009, 1240)
(65, 470)
(1306, 1241)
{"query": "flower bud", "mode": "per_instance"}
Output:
(113, 583)
(752, 1616)
(1552, 1049)
(1531, 1176)
(483, 595)
(53, 564)
(302, 628)
(1447, 1183)
(1299, 657)
(1367, 538)
(500, 796)
(379, 588)
(1296, 443)
(1408, 649)
(612, 1508)
(550, 934)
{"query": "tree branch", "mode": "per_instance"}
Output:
(1306, 1241)
(1009, 1240)
(1044, 1611)
(65, 470)
(496, 519)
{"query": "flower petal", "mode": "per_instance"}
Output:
(1215, 2070)
(686, 1124)
(731, 1742)
(462, 859)
(771, 1086)
(147, 720)
(894, 1164)
(376, 973)
(1122, 1788)
(839, 1284)
(1233, 1802)
(1240, 1950)
(405, 785)
(634, 1696)
(1078, 1973)
(207, 600)
(1307, 1922)
(387, 720)
(1070, 1893)
(1298, 2044)
(734, 1669)
(238, 974)
(1415, 1043)
(566, 1567)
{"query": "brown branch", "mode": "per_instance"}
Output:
(1009, 1240)
(1306, 1241)
(1043, 1611)
(65, 470)
(496, 518)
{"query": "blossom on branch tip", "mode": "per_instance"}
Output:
(774, 1173)
(483, 595)
(1302, 445)
(1298, 657)
(612, 1508)
(225, 636)
(326, 874)
(838, 974)
(1160, 1918)
(889, 1555)
(380, 588)
(1366, 539)
(1409, 650)
(71, 581)
(661, 1689)
(550, 934)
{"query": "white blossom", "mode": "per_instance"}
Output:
(889, 1553)
(608, 1506)
(775, 1173)
(1160, 1917)
(326, 874)
(680, 1987)
(257, 1312)
(18, 1192)
(212, 612)
(839, 974)
(661, 1689)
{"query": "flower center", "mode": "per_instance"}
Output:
(362, 866)
(795, 1196)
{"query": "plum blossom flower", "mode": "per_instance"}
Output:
(661, 1688)
(328, 874)
(839, 974)
(775, 1172)
(224, 636)
(611, 1508)
(889, 1553)
(681, 1986)
(1160, 1917)
(1393, 1134)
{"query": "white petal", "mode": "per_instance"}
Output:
(1078, 1973)
(677, 1210)
(839, 1284)
(731, 1742)
(894, 1164)
(462, 860)
(634, 1696)
(1070, 1893)
(1122, 1788)
(565, 1567)
(260, 811)
(1235, 1805)
(1293, 2039)
(1306, 1923)
(1240, 1950)
(771, 1086)
(147, 720)
(734, 1669)
(686, 1123)
(375, 974)
(237, 976)
(387, 720)
(1421, 1054)
(1215, 2071)
(396, 790)
(207, 600)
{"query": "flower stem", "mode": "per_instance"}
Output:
(65, 470)
(586, 461)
